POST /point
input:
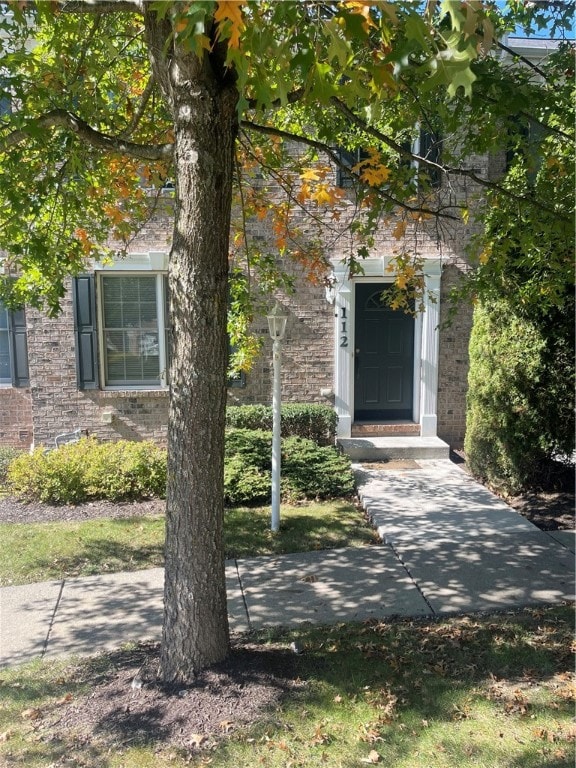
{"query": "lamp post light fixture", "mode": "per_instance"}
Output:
(277, 328)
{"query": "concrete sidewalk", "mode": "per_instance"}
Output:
(448, 546)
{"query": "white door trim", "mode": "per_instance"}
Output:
(426, 345)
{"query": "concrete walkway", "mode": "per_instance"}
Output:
(448, 546)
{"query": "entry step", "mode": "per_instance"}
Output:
(400, 447)
(386, 429)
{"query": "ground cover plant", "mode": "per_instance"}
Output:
(34, 552)
(493, 690)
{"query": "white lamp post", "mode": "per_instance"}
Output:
(277, 328)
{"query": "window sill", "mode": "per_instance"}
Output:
(115, 394)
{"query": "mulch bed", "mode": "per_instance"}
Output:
(12, 510)
(127, 706)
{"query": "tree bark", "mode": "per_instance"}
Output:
(195, 630)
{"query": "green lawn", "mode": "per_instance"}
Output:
(492, 691)
(45, 551)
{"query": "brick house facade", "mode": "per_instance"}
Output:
(61, 395)
(72, 376)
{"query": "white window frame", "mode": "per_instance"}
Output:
(142, 265)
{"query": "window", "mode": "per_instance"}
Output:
(349, 159)
(5, 98)
(134, 334)
(430, 148)
(426, 144)
(13, 348)
(122, 331)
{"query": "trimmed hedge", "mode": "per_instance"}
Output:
(520, 416)
(314, 422)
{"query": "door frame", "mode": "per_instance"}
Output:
(426, 343)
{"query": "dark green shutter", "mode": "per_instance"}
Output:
(84, 302)
(431, 149)
(17, 328)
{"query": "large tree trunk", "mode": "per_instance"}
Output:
(195, 631)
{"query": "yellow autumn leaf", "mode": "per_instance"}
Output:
(311, 174)
(401, 281)
(325, 195)
(399, 230)
(304, 193)
(484, 256)
(361, 7)
(322, 195)
(230, 11)
(114, 214)
(375, 175)
(180, 25)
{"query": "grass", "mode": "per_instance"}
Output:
(44, 551)
(492, 691)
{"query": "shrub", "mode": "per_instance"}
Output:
(90, 470)
(129, 471)
(309, 471)
(247, 466)
(520, 397)
(7, 455)
(315, 422)
(313, 471)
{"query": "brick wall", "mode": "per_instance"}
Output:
(307, 350)
(59, 406)
(15, 417)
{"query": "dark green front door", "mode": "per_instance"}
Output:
(384, 358)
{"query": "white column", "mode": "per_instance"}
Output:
(430, 347)
(344, 356)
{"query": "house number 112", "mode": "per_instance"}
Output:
(343, 328)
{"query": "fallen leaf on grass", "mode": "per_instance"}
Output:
(5, 736)
(227, 725)
(32, 714)
(320, 736)
(196, 740)
(372, 758)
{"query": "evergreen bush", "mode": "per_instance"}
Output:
(309, 471)
(520, 417)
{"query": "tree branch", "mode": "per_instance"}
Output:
(60, 118)
(333, 155)
(523, 59)
(138, 114)
(101, 6)
(448, 170)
